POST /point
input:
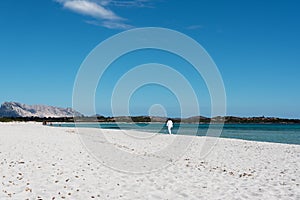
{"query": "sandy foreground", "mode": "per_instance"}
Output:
(39, 162)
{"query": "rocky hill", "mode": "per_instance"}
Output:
(14, 109)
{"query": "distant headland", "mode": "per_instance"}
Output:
(150, 119)
(12, 111)
(193, 120)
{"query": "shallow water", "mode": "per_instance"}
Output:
(279, 133)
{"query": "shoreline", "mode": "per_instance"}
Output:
(272, 133)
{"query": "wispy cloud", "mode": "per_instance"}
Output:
(116, 25)
(128, 3)
(110, 24)
(99, 11)
(194, 27)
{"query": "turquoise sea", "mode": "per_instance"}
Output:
(279, 133)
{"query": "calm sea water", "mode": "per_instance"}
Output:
(279, 133)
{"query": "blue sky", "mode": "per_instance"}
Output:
(255, 45)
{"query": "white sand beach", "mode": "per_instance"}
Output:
(41, 162)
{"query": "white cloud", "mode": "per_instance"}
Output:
(98, 10)
(91, 9)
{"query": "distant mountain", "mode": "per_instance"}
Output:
(14, 109)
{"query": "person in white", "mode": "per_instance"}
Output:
(169, 125)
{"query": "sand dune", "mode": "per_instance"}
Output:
(39, 162)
